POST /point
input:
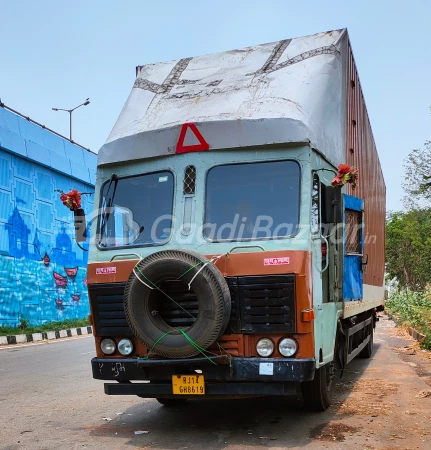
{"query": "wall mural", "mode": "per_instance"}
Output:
(42, 269)
(43, 273)
(40, 283)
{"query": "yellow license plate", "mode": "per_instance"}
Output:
(188, 384)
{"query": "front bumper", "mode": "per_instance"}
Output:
(242, 376)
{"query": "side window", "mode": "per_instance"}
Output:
(353, 231)
(315, 205)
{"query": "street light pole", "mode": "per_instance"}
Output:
(70, 111)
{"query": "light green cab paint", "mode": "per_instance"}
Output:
(203, 161)
(327, 313)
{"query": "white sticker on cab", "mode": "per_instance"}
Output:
(276, 261)
(163, 179)
(266, 369)
(105, 270)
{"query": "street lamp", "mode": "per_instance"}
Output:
(70, 111)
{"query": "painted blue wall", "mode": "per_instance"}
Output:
(42, 270)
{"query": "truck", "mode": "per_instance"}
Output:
(231, 254)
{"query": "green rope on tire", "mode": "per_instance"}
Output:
(189, 339)
(149, 281)
(155, 343)
(191, 268)
(197, 347)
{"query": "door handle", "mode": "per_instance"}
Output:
(364, 262)
(327, 256)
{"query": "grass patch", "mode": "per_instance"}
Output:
(23, 328)
(414, 310)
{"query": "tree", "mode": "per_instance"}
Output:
(408, 248)
(417, 181)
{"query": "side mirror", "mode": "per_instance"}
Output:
(333, 210)
(80, 225)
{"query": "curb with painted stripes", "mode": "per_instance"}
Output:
(413, 333)
(46, 336)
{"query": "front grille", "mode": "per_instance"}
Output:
(260, 304)
(108, 309)
(181, 311)
(263, 304)
(234, 325)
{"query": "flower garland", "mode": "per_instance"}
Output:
(346, 174)
(72, 199)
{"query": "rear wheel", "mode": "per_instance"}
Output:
(317, 393)
(367, 351)
(172, 401)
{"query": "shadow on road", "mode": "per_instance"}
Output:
(217, 424)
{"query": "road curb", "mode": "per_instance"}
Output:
(45, 336)
(412, 332)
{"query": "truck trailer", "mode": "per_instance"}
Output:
(228, 257)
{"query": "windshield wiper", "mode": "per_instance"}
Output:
(108, 205)
(141, 229)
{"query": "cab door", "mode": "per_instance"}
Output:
(324, 275)
(353, 247)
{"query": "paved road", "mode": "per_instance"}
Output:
(48, 400)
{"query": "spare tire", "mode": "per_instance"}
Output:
(158, 303)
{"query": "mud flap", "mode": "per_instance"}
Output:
(341, 348)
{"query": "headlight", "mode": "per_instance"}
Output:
(287, 347)
(125, 347)
(107, 346)
(265, 347)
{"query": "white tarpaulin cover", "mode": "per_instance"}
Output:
(283, 92)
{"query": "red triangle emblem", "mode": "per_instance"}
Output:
(203, 144)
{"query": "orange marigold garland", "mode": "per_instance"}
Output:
(72, 199)
(346, 174)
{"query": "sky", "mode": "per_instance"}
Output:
(56, 54)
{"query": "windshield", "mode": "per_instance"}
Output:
(252, 201)
(140, 211)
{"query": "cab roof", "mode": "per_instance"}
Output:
(291, 91)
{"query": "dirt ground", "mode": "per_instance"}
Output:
(49, 401)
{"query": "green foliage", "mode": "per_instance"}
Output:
(417, 183)
(23, 324)
(49, 326)
(413, 309)
(408, 248)
(426, 344)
